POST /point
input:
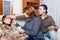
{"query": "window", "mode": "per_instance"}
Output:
(6, 7)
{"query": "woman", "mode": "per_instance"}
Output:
(32, 25)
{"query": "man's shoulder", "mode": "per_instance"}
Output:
(49, 16)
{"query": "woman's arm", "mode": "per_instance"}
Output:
(35, 28)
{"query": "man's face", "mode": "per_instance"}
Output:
(41, 10)
(7, 19)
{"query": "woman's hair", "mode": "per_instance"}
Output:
(28, 8)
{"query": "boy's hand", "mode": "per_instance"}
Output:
(20, 30)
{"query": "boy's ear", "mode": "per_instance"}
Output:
(4, 21)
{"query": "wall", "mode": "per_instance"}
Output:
(1, 7)
(53, 9)
(17, 7)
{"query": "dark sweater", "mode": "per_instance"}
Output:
(48, 21)
(32, 26)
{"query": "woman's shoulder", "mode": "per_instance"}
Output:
(36, 19)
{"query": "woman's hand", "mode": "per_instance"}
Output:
(12, 17)
(20, 30)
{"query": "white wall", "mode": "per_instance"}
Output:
(53, 9)
(17, 7)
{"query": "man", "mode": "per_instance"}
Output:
(48, 26)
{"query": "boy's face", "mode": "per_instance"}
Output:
(7, 20)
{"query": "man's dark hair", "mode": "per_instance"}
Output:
(45, 7)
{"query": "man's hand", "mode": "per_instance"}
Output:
(51, 28)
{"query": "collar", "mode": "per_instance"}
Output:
(43, 17)
(6, 24)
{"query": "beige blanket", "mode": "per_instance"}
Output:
(9, 33)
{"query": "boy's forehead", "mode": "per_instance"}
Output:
(8, 16)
